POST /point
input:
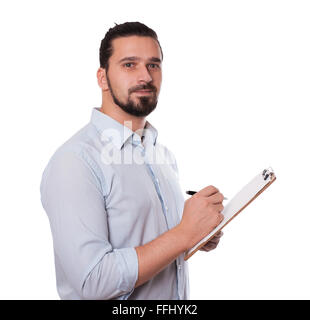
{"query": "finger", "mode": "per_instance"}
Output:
(218, 207)
(209, 247)
(219, 234)
(205, 248)
(215, 239)
(215, 242)
(208, 191)
(216, 198)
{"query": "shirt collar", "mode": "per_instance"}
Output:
(118, 134)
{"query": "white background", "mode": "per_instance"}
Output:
(234, 100)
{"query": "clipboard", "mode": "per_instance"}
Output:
(241, 200)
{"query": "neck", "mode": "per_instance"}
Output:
(115, 112)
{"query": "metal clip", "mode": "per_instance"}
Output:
(267, 173)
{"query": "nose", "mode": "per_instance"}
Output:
(144, 75)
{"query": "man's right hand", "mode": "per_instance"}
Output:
(201, 214)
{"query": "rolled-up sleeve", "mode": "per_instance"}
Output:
(72, 196)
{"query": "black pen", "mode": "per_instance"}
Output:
(191, 193)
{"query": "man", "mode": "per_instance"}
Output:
(118, 218)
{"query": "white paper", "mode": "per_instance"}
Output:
(236, 204)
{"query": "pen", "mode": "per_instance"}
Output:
(193, 192)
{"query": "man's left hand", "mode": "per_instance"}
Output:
(212, 244)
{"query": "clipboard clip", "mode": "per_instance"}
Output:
(268, 173)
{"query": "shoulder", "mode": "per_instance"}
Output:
(76, 159)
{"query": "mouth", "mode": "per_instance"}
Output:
(144, 91)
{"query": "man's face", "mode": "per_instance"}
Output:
(134, 74)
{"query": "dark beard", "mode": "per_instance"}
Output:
(145, 105)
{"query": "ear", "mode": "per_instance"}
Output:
(102, 79)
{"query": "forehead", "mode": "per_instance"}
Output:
(143, 47)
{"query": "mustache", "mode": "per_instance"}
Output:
(142, 87)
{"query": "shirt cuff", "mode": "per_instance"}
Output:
(127, 261)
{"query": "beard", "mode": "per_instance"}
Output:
(144, 107)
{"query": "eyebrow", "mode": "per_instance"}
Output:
(153, 59)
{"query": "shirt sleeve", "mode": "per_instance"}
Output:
(73, 200)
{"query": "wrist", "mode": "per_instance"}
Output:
(182, 237)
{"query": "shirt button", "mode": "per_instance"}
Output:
(166, 208)
(179, 267)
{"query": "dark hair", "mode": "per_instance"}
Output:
(123, 30)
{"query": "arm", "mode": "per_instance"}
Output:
(200, 216)
(72, 197)
(157, 254)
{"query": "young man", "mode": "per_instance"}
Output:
(118, 218)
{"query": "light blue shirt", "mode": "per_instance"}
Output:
(106, 191)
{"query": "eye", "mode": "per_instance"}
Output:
(153, 65)
(128, 64)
